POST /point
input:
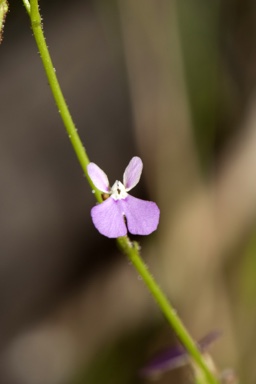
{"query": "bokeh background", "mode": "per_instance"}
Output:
(174, 83)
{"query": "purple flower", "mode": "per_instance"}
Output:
(121, 209)
(175, 357)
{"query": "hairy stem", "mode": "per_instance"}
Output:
(128, 248)
(133, 254)
(27, 5)
(76, 142)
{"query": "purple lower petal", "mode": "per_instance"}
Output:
(169, 359)
(142, 216)
(108, 218)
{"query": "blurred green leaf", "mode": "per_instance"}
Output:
(198, 25)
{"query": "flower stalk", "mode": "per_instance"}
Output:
(36, 24)
(131, 250)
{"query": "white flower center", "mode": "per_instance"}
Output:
(118, 191)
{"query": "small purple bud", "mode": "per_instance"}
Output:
(175, 357)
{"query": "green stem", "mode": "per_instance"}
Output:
(132, 252)
(128, 248)
(27, 5)
(79, 149)
(3, 11)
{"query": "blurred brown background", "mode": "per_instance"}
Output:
(174, 83)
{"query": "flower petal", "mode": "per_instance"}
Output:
(108, 218)
(132, 173)
(174, 357)
(168, 359)
(98, 177)
(142, 216)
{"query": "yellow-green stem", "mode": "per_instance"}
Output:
(132, 252)
(57, 93)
